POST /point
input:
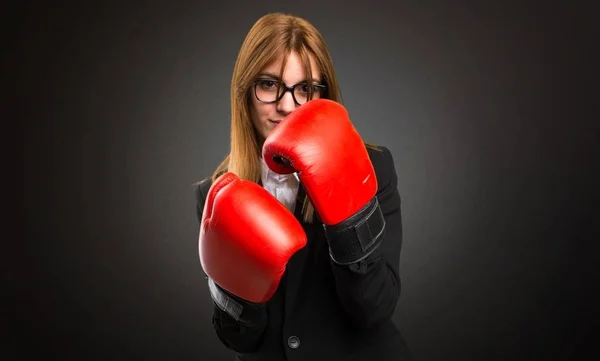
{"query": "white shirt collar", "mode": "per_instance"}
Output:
(284, 187)
(270, 177)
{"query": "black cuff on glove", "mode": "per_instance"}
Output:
(357, 237)
(242, 311)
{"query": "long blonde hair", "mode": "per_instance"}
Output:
(270, 36)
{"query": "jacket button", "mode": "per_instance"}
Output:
(293, 342)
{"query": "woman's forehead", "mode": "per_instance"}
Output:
(294, 67)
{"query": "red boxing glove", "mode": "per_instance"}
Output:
(246, 238)
(319, 142)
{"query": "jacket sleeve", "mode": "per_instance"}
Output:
(369, 289)
(238, 324)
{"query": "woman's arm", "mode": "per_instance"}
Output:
(369, 289)
(239, 325)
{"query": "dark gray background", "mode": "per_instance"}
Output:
(126, 105)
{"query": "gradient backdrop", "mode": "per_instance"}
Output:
(127, 104)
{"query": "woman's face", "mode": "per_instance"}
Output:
(265, 117)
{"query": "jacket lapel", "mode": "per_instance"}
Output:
(296, 264)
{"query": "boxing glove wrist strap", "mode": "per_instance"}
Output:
(357, 237)
(240, 310)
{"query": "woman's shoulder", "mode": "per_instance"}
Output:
(202, 186)
(200, 189)
(382, 160)
(387, 178)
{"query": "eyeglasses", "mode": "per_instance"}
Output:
(272, 90)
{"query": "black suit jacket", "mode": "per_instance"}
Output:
(321, 310)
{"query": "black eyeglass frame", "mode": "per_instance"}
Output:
(286, 88)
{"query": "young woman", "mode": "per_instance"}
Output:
(301, 228)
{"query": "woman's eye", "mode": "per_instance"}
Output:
(268, 83)
(305, 88)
